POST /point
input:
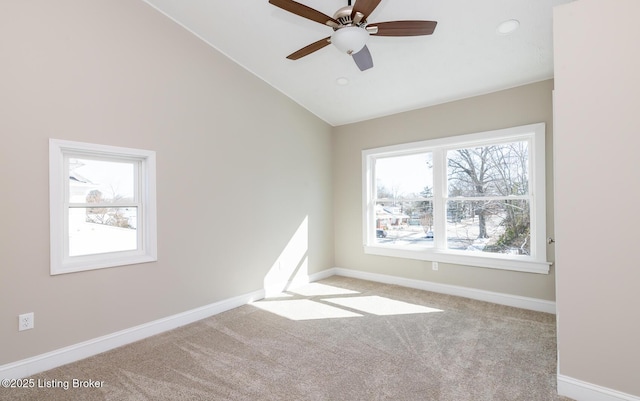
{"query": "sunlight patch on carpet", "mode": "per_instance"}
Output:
(381, 306)
(317, 289)
(279, 295)
(303, 309)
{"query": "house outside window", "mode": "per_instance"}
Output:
(476, 199)
(102, 206)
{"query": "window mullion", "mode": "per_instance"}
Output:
(537, 193)
(490, 198)
(439, 198)
(103, 205)
(64, 224)
(369, 197)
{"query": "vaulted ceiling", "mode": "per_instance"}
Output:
(465, 56)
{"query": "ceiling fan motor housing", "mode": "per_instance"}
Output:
(343, 16)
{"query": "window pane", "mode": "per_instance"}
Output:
(95, 181)
(405, 223)
(489, 226)
(404, 177)
(495, 170)
(102, 230)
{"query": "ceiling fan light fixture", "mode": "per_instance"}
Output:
(350, 39)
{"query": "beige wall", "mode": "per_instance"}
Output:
(597, 191)
(240, 167)
(524, 105)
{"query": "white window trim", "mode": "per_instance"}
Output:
(536, 263)
(61, 262)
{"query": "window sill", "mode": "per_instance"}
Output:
(93, 262)
(503, 262)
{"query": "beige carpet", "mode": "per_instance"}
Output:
(338, 339)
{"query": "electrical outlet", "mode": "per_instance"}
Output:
(434, 265)
(25, 321)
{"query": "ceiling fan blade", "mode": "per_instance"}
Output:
(363, 59)
(306, 12)
(365, 7)
(404, 28)
(310, 48)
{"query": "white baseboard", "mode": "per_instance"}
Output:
(322, 275)
(567, 386)
(63, 356)
(535, 304)
(584, 391)
(76, 352)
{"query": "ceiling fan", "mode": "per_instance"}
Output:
(351, 29)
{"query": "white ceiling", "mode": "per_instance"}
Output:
(464, 57)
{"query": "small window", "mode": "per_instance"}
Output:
(475, 199)
(102, 206)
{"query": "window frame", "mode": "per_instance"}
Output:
(144, 162)
(534, 263)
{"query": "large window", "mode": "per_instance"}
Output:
(102, 206)
(475, 199)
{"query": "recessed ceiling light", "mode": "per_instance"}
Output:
(342, 81)
(508, 26)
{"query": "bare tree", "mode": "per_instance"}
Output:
(470, 175)
(426, 209)
(511, 167)
(106, 215)
(96, 214)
